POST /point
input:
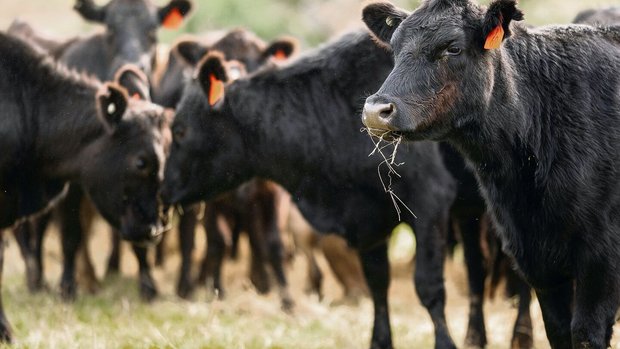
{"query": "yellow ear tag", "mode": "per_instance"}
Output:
(495, 37)
(173, 19)
(216, 90)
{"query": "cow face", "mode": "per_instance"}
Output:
(131, 27)
(123, 169)
(445, 56)
(208, 153)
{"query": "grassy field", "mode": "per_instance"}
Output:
(116, 318)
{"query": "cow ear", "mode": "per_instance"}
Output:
(134, 81)
(111, 105)
(90, 11)
(382, 19)
(190, 51)
(496, 25)
(212, 76)
(171, 16)
(281, 49)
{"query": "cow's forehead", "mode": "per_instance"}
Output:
(425, 23)
(138, 10)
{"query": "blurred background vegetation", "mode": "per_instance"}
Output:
(312, 21)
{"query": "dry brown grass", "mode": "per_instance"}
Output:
(116, 318)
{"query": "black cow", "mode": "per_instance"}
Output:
(537, 114)
(299, 126)
(130, 36)
(604, 16)
(58, 126)
(251, 208)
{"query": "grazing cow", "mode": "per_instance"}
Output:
(299, 126)
(604, 16)
(129, 37)
(240, 207)
(536, 112)
(59, 126)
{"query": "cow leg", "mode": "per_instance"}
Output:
(376, 267)
(29, 236)
(148, 290)
(5, 328)
(114, 261)
(346, 267)
(68, 212)
(216, 250)
(305, 241)
(428, 275)
(187, 236)
(266, 231)
(85, 271)
(597, 299)
(522, 335)
(160, 251)
(258, 273)
(474, 261)
(555, 304)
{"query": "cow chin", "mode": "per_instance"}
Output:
(138, 231)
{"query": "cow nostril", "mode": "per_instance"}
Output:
(387, 111)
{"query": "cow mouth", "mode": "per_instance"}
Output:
(384, 134)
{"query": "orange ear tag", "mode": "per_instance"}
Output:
(495, 37)
(280, 55)
(216, 90)
(173, 19)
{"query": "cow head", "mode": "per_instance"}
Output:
(131, 27)
(207, 156)
(446, 54)
(238, 44)
(124, 168)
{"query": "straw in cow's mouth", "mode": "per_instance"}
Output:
(378, 137)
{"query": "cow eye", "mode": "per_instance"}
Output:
(141, 164)
(453, 51)
(178, 133)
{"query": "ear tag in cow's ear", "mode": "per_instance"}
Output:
(280, 55)
(216, 90)
(136, 97)
(173, 19)
(495, 37)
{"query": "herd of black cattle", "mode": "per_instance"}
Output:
(528, 120)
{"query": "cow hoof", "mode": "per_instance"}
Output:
(148, 290)
(444, 343)
(475, 339)
(185, 289)
(5, 332)
(522, 339)
(68, 292)
(287, 305)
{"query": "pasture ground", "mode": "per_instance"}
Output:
(116, 318)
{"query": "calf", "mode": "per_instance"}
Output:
(59, 126)
(239, 207)
(130, 36)
(299, 126)
(536, 113)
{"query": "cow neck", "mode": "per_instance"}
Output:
(68, 124)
